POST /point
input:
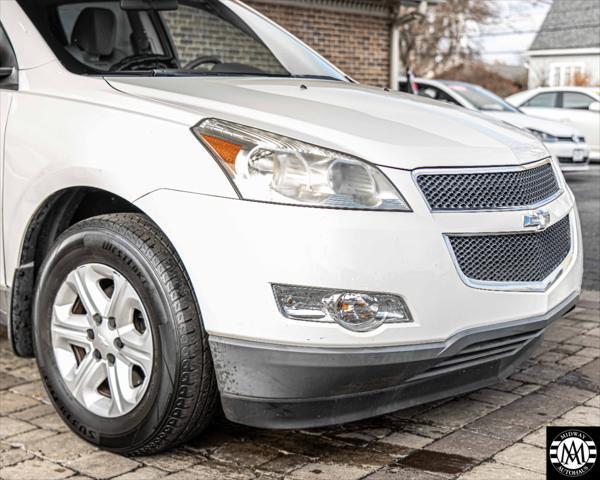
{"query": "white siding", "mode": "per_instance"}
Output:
(558, 70)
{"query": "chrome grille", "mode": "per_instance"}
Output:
(480, 190)
(516, 257)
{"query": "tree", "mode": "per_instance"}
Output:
(438, 41)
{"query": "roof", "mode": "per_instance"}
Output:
(570, 24)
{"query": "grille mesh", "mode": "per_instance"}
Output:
(488, 191)
(519, 257)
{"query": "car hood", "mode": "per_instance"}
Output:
(387, 128)
(522, 120)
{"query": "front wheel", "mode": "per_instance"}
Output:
(119, 340)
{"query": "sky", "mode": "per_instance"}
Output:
(500, 41)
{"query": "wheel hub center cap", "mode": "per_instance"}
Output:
(102, 341)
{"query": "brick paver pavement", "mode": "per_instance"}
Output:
(494, 433)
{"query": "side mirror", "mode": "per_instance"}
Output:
(594, 107)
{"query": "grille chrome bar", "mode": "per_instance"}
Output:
(481, 189)
(484, 260)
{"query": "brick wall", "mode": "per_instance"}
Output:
(356, 43)
(198, 33)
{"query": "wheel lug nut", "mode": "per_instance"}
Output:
(90, 334)
(112, 322)
(97, 318)
(111, 358)
(118, 343)
(97, 354)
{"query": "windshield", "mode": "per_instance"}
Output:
(481, 98)
(198, 37)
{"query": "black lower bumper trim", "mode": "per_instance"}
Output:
(275, 386)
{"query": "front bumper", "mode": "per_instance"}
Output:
(273, 386)
(564, 154)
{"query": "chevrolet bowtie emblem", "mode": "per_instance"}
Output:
(538, 220)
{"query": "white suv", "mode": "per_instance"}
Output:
(200, 211)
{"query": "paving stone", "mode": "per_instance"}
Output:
(438, 463)
(329, 471)
(63, 447)
(11, 426)
(11, 455)
(497, 429)
(583, 416)
(542, 374)
(559, 333)
(563, 391)
(500, 471)
(24, 440)
(526, 389)
(285, 463)
(507, 385)
(29, 373)
(575, 361)
(585, 341)
(494, 397)
(457, 412)
(594, 402)
(35, 469)
(103, 465)
(551, 357)
(172, 461)
(245, 454)
(533, 410)
(39, 410)
(32, 389)
(469, 444)
(7, 380)
(11, 402)
(212, 472)
(524, 456)
(50, 422)
(399, 473)
(586, 377)
(589, 352)
(144, 473)
(568, 348)
(364, 457)
(407, 439)
(537, 438)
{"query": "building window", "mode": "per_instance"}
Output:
(564, 73)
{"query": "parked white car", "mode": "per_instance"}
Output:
(215, 213)
(566, 144)
(576, 106)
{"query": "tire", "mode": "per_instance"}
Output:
(175, 382)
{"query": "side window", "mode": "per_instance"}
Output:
(542, 100)
(436, 94)
(8, 63)
(579, 101)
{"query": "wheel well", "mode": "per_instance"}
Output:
(58, 212)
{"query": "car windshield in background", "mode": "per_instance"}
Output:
(481, 98)
(199, 37)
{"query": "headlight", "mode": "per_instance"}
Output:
(271, 168)
(543, 136)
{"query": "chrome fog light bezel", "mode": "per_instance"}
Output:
(316, 304)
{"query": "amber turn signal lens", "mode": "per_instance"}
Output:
(228, 151)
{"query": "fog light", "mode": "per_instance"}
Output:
(357, 311)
